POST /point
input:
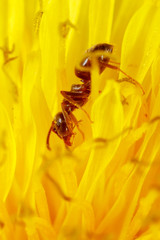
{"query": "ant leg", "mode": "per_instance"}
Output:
(71, 118)
(133, 81)
(76, 122)
(67, 117)
(114, 62)
(69, 99)
(6, 53)
(9, 60)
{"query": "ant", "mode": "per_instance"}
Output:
(64, 122)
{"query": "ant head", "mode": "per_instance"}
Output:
(59, 127)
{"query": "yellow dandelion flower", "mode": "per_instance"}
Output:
(106, 184)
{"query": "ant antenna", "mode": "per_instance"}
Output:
(48, 137)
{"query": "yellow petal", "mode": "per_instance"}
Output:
(100, 20)
(142, 35)
(8, 154)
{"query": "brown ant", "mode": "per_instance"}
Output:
(64, 122)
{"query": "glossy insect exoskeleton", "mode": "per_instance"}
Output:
(65, 122)
(61, 128)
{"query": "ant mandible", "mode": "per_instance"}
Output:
(64, 122)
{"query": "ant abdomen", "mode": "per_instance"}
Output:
(104, 47)
(100, 54)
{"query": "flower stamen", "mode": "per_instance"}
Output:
(65, 27)
(59, 189)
